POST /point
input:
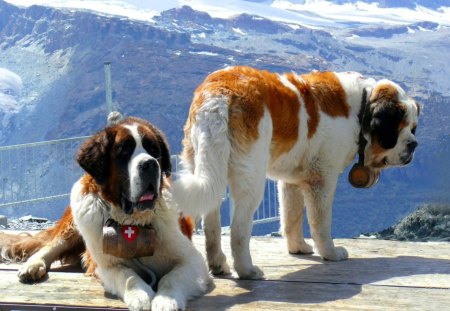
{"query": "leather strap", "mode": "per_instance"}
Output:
(362, 142)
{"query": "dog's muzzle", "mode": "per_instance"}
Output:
(144, 187)
(146, 202)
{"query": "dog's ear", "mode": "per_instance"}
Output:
(166, 163)
(94, 155)
(386, 114)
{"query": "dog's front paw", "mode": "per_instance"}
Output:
(300, 248)
(163, 302)
(138, 299)
(218, 264)
(33, 270)
(253, 273)
(220, 269)
(336, 254)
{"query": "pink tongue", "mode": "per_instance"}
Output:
(147, 197)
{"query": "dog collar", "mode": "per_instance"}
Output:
(362, 142)
(128, 241)
(361, 176)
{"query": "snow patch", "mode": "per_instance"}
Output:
(204, 53)
(239, 31)
(10, 88)
(198, 36)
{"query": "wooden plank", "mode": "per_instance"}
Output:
(60, 288)
(245, 295)
(393, 263)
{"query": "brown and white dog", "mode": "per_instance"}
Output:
(127, 166)
(303, 130)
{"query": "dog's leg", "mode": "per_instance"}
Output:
(64, 238)
(188, 279)
(125, 283)
(292, 214)
(319, 193)
(217, 260)
(247, 192)
(39, 263)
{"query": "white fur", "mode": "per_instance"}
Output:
(179, 266)
(200, 189)
(307, 174)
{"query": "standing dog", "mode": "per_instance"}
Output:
(127, 165)
(302, 130)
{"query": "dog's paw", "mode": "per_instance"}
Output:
(163, 302)
(220, 269)
(302, 248)
(254, 273)
(336, 254)
(138, 299)
(218, 265)
(33, 270)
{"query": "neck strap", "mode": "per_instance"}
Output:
(362, 142)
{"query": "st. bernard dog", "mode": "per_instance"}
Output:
(127, 165)
(303, 130)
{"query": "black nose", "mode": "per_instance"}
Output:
(147, 165)
(412, 145)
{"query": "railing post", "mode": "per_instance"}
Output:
(108, 90)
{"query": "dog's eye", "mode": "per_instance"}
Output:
(151, 147)
(125, 149)
(413, 130)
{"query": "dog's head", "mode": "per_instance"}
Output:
(128, 161)
(389, 126)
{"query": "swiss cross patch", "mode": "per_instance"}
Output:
(129, 233)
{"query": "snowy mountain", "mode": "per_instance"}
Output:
(317, 13)
(52, 78)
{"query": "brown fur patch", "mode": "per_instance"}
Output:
(88, 185)
(403, 124)
(186, 225)
(322, 91)
(376, 154)
(18, 248)
(249, 91)
(312, 109)
(89, 263)
(384, 92)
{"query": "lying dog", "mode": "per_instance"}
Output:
(302, 130)
(127, 166)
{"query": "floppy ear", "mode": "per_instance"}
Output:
(94, 155)
(385, 124)
(386, 116)
(166, 164)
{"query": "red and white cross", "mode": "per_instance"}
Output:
(129, 233)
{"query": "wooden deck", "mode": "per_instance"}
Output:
(380, 275)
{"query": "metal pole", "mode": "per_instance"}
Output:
(108, 87)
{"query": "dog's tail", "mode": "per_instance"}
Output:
(205, 157)
(20, 247)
